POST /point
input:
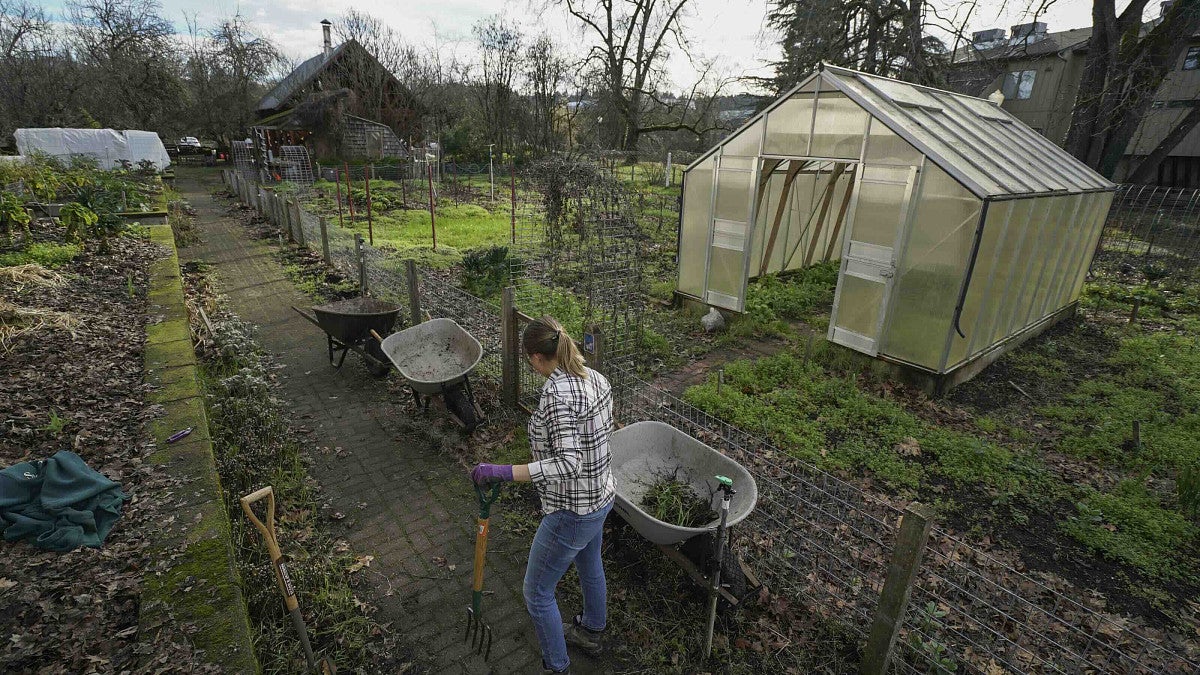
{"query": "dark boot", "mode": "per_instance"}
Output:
(583, 638)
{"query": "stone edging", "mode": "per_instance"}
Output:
(197, 582)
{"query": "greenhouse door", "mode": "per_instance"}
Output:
(729, 239)
(881, 207)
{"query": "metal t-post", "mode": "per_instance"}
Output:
(362, 264)
(324, 240)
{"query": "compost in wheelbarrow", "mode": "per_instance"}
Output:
(644, 451)
(437, 357)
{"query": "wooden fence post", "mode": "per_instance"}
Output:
(509, 374)
(593, 347)
(414, 291)
(893, 600)
(325, 240)
(299, 222)
(362, 264)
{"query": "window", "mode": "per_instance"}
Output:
(1192, 60)
(1018, 85)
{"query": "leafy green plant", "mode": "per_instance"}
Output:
(486, 270)
(933, 651)
(56, 424)
(13, 215)
(78, 219)
(44, 253)
(673, 501)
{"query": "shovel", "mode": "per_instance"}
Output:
(326, 666)
(479, 633)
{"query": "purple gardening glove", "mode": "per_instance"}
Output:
(491, 473)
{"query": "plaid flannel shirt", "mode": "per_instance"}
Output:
(569, 436)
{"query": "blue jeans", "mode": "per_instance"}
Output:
(563, 537)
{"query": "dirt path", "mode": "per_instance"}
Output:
(403, 503)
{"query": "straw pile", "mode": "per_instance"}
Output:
(16, 321)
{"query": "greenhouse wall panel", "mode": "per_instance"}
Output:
(1005, 274)
(929, 274)
(978, 298)
(840, 127)
(789, 127)
(1093, 238)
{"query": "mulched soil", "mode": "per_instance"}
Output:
(78, 612)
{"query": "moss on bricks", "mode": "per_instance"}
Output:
(180, 384)
(198, 590)
(168, 331)
(185, 413)
(169, 354)
(197, 593)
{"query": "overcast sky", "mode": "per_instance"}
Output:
(729, 31)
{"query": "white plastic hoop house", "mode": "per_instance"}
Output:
(957, 226)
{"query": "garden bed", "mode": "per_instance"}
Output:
(1035, 456)
(80, 389)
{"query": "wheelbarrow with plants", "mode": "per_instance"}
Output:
(348, 325)
(436, 357)
(660, 472)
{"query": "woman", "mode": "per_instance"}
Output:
(569, 437)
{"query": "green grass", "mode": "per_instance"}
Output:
(827, 419)
(672, 501)
(46, 254)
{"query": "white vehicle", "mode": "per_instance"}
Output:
(189, 141)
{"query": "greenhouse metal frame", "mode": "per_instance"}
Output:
(958, 228)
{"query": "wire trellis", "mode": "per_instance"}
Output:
(813, 537)
(1151, 227)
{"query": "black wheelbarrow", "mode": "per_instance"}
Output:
(348, 325)
(437, 357)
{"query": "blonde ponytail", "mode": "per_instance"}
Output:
(546, 336)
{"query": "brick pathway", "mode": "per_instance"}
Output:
(405, 503)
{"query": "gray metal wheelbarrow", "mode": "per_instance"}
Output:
(644, 451)
(437, 357)
(349, 324)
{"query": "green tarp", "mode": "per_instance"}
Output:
(58, 504)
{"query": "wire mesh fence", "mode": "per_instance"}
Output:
(814, 538)
(1152, 230)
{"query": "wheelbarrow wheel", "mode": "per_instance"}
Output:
(461, 406)
(699, 550)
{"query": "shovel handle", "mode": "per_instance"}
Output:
(267, 529)
(376, 336)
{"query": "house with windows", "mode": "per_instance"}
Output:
(341, 103)
(1038, 73)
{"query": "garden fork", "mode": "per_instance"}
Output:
(267, 530)
(479, 633)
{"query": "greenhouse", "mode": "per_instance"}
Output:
(958, 227)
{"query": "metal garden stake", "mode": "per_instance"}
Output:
(478, 632)
(281, 574)
(725, 486)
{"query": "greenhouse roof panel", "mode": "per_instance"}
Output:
(981, 144)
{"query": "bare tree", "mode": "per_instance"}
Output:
(133, 79)
(1125, 64)
(39, 84)
(500, 60)
(631, 40)
(546, 71)
(226, 69)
